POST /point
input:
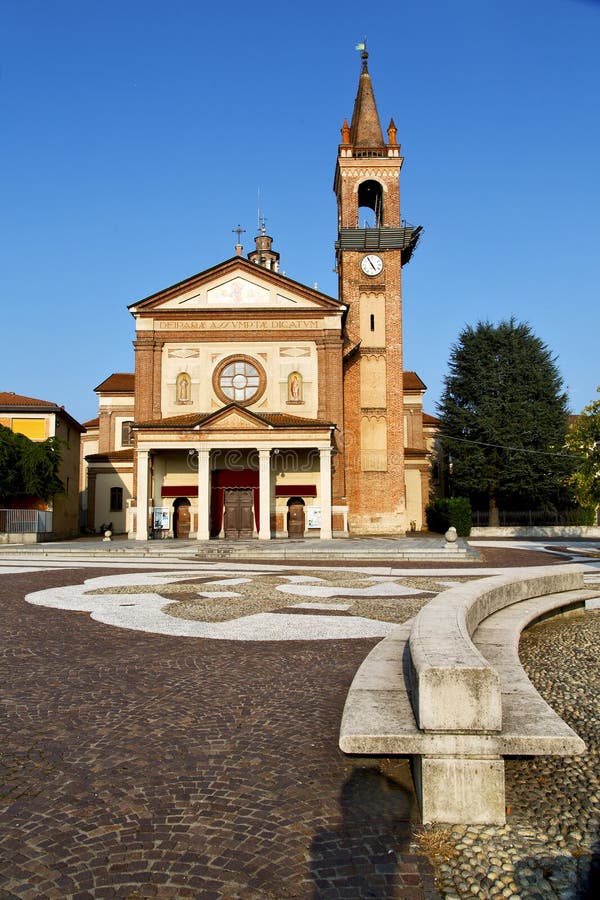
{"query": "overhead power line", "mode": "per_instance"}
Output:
(446, 437)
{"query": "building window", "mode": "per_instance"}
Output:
(239, 379)
(127, 434)
(183, 388)
(116, 499)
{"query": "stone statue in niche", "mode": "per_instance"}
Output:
(183, 388)
(295, 387)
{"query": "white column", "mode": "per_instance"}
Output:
(203, 533)
(264, 493)
(325, 461)
(141, 533)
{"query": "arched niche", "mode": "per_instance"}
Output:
(183, 388)
(295, 387)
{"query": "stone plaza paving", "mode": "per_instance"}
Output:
(169, 729)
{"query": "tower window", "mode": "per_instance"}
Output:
(370, 204)
(372, 322)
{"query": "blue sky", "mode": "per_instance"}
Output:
(136, 135)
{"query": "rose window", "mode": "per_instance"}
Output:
(239, 380)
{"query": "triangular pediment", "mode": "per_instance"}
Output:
(237, 285)
(234, 418)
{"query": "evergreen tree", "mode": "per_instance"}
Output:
(584, 441)
(28, 468)
(9, 465)
(504, 419)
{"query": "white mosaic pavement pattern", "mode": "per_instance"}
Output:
(144, 612)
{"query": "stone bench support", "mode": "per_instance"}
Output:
(448, 689)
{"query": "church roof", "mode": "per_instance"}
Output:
(365, 128)
(118, 383)
(430, 420)
(111, 456)
(236, 264)
(271, 419)
(412, 382)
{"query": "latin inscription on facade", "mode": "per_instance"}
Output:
(239, 325)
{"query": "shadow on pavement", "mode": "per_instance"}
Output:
(362, 855)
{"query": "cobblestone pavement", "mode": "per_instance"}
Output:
(138, 765)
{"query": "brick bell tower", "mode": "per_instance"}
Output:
(370, 256)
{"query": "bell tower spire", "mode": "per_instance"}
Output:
(373, 243)
(365, 128)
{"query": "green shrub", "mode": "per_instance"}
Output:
(582, 515)
(441, 514)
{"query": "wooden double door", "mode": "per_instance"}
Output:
(238, 513)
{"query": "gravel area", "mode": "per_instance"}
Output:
(550, 846)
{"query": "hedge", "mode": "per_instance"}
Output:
(441, 514)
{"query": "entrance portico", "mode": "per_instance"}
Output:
(206, 459)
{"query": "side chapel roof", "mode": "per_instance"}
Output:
(117, 383)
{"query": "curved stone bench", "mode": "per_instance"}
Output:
(448, 689)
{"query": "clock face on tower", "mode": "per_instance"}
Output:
(371, 264)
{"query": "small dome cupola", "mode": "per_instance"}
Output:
(264, 255)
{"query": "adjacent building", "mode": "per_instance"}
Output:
(39, 420)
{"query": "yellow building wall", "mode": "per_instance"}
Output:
(34, 429)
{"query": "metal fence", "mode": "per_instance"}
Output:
(527, 517)
(25, 521)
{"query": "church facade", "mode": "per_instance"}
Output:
(260, 407)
